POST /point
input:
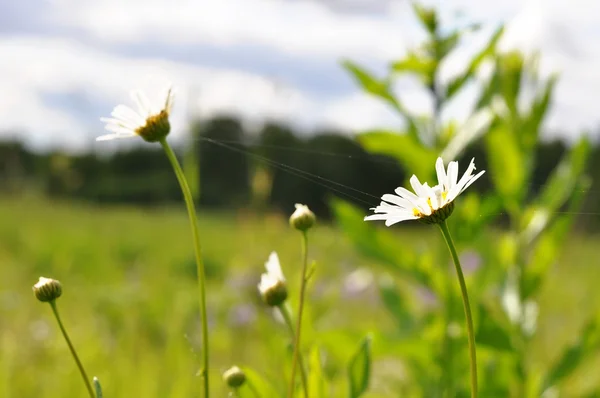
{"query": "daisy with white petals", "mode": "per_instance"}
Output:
(431, 205)
(151, 122)
(272, 286)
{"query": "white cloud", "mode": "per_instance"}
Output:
(298, 28)
(42, 66)
(56, 86)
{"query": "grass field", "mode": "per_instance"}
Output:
(130, 300)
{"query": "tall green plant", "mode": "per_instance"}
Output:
(513, 261)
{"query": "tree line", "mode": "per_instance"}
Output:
(231, 167)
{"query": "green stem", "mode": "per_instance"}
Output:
(86, 380)
(466, 305)
(191, 209)
(287, 317)
(299, 321)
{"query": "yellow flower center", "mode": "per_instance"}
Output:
(418, 212)
(156, 127)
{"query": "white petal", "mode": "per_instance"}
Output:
(471, 181)
(452, 175)
(119, 129)
(419, 203)
(458, 187)
(417, 187)
(397, 200)
(119, 122)
(266, 282)
(435, 197)
(393, 220)
(144, 106)
(108, 137)
(274, 268)
(406, 194)
(441, 172)
(377, 217)
(170, 99)
(126, 113)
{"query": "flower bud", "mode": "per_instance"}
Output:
(234, 377)
(275, 293)
(47, 289)
(302, 219)
(272, 286)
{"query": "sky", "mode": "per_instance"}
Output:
(66, 63)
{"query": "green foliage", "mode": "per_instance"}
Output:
(316, 378)
(259, 385)
(359, 369)
(514, 262)
(404, 147)
(128, 278)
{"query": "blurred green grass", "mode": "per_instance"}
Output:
(130, 299)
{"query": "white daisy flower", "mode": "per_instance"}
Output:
(272, 286)
(428, 204)
(150, 122)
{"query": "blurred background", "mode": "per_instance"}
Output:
(272, 109)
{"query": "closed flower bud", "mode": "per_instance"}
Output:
(234, 377)
(47, 289)
(274, 294)
(302, 219)
(272, 286)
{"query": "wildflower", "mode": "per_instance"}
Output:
(149, 122)
(47, 289)
(272, 286)
(430, 205)
(234, 377)
(302, 219)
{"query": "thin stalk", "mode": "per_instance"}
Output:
(287, 317)
(191, 209)
(86, 380)
(299, 321)
(466, 305)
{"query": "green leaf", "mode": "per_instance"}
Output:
(511, 70)
(539, 108)
(456, 84)
(557, 190)
(381, 89)
(359, 369)
(259, 386)
(548, 245)
(561, 183)
(423, 67)
(97, 388)
(490, 90)
(369, 83)
(586, 346)
(506, 163)
(427, 17)
(316, 379)
(492, 330)
(403, 147)
(397, 306)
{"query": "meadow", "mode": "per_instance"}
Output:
(130, 300)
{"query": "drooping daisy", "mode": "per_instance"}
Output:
(272, 286)
(431, 205)
(150, 122)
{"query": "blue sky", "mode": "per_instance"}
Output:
(68, 62)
